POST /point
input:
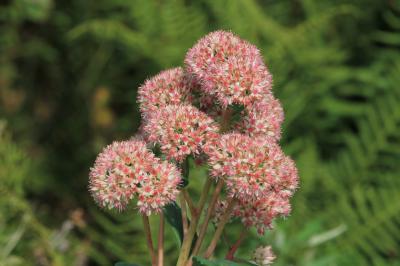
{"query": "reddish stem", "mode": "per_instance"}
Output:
(224, 220)
(231, 253)
(187, 241)
(192, 208)
(147, 232)
(161, 241)
(184, 214)
(210, 211)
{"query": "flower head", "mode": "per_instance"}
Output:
(263, 118)
(258, 213)
(261, 212)
(169, 87)
(125, 170)
(263, 256)
(181, 130)
(252, 168)
(229, 67)
(161, 189)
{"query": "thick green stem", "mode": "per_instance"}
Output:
(225, 218)
(188, 239)
(147, 231)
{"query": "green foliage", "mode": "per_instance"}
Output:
(24, 238)
(68, 78)
(14, 166)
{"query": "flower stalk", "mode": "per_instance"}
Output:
(184, 214)
(217, 235)
(188, 199)
(231, 253)
(160, 257)
(188, 239)
(210, 211)
(149, 240)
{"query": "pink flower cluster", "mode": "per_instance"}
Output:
(256, 213)
(180, 109)
(252, 167)
(127, 170)
(181, 130)
(255, 169)
(169, 87)
(257, 174)
(230, 68)
(260, 213)
(263, 118)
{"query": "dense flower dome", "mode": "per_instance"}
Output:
(252, 168)
(229, 68)
(181, 130)
(258, 213)
(261, 212)
(127, 170)
(263, 118)
(169, 87)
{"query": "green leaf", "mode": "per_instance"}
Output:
(173, 214)
(120, 263)
(197, 261)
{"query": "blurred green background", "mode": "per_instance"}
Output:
(69, 72)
